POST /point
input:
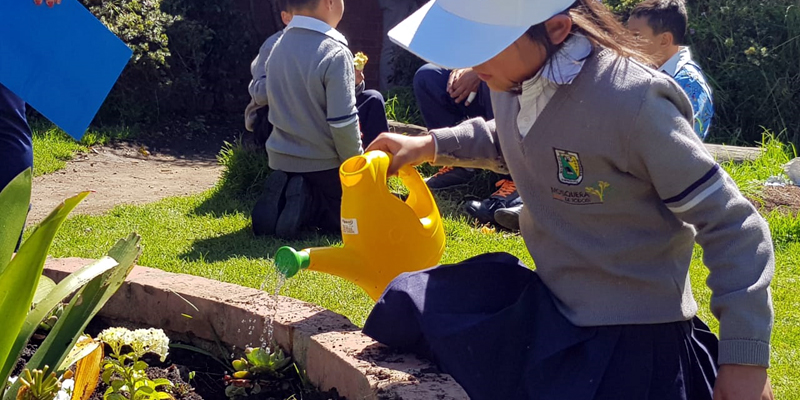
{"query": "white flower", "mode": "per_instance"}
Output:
(150, 341)
(142, 341)
(115, 337)
(67, 386)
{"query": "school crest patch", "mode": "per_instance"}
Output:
(570, 170)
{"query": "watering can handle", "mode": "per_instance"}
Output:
(419, 195)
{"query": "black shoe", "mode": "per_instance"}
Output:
(448, 178)
(506, 196)
(295, 213)
(508, 217)
(268, 207)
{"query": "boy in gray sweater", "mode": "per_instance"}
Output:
(310, 81)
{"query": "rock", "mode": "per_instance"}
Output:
(792, 169)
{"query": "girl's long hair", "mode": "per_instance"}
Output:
(597, 23)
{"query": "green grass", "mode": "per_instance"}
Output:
(750, 176)
(401, 106)
(52, 148)
(209, 235)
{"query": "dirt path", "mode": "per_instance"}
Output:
(121, 174)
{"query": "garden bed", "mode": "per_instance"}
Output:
(195, 376)
(328, 347)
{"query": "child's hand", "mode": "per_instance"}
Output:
(405, 150)
(359, 76)
(742, 382)
(462, 82)
(50, 3)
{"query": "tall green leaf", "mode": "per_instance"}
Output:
(85, 304)
(19, 279)
(82, 308)
(44, 288)
(60, 292)
(15, 198)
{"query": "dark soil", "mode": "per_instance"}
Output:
(208, 380)
(784, 198)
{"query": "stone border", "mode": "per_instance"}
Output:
(333, 351)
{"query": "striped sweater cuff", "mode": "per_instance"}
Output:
(341, 122)
(697, 191)
(743, 352)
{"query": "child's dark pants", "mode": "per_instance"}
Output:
(492, 324)
(326, 192)
(371, 115)
(16, 142)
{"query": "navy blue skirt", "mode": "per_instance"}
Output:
(492, 324)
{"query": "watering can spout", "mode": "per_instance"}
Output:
(290, 261)
(383, 236)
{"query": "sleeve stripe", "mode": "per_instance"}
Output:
(693, 186)
(342, 124)
(337, 119)
(697, 199)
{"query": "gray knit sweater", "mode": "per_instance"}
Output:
(310, 81)
(617, 189)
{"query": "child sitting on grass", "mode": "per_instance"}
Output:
(311, 86)
(619, 189)
(370, 103)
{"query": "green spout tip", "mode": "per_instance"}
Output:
(290, 261)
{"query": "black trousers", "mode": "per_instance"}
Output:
(326, 206)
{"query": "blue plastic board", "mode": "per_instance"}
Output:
(61, 60)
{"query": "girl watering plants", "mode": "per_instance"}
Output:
(617, 188)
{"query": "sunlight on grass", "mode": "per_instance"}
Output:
(52, 147)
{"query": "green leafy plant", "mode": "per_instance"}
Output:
(20, 274)
(125, 371)
(250, 371)
(50, 321)
(39, 385)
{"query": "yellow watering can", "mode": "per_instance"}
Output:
(383, 236)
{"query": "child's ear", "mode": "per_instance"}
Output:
(286, 18)
(666, 39)
(558, 28)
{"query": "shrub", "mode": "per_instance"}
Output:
(749, 51)
(405, 66)
(190, 58)
(145, 80)
(245, 170)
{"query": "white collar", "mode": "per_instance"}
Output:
(566, 64)
(313, 24)
(677, 61)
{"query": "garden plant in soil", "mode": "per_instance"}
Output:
(182, 373)
(45, 353)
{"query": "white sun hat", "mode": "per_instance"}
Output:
(465, 33)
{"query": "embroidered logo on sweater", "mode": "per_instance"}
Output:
(599, 191)
(570, 170)
(590, 195)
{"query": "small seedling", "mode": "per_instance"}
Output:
(249, 371)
